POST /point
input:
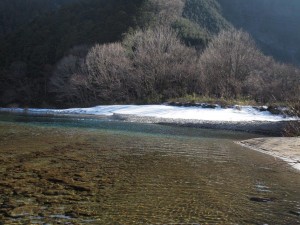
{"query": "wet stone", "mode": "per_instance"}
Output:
(262, 199)
(72, 214)
(57, 192)
(294, 213)
(24, 211)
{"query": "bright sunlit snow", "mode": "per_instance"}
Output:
(242, 113)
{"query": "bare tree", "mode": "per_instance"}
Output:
(287, 82)
(154, 65)
(66, 76)
(64, 82)
(166, 67)
(109, 73)
(272, 82)
(228, 61)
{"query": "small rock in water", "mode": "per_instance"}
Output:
(24, 211)
(294, 213)
(71, 214)
(260, 199)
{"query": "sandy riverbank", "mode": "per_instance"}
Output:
(287, 149)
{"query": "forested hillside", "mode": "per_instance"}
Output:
(274, 24)
(207, 14)
(15, 13)
(87, 52)
(28, 54)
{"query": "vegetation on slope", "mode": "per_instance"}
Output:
(138, 51)
(28, 55)
(15, 13)
(207, 14)
(154, 65)
(274, 24)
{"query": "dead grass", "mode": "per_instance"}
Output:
(293, 128)
(220, 101)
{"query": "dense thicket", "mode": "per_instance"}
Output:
(234, 67)
(153, 65)
(165, 66)
(150, 66)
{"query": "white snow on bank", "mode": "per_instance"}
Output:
(242, 113)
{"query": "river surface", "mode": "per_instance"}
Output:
(64, 170)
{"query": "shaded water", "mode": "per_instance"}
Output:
(95, 171)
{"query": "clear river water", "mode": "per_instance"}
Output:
(66, 170)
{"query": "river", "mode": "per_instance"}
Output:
(99, 171)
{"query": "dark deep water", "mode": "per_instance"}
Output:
(96, 171)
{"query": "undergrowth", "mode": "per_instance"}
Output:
(292, 129)
(220, 101)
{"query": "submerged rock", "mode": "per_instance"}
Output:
(294, 213)
(24, 211)
(261, 199)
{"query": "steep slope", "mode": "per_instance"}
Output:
(27, 55)
(207, 14)
(200, 21)
(39, 33)
(274, 24)
(15, 13)
(46, 39)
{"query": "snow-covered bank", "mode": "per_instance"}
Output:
(235, 114)
(286, 149)
(242, 118)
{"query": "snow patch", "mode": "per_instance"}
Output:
(236, 114)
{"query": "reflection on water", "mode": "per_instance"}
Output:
(106, 172)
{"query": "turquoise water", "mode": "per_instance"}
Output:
(98, 171)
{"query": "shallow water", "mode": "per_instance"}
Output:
(96, 171)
